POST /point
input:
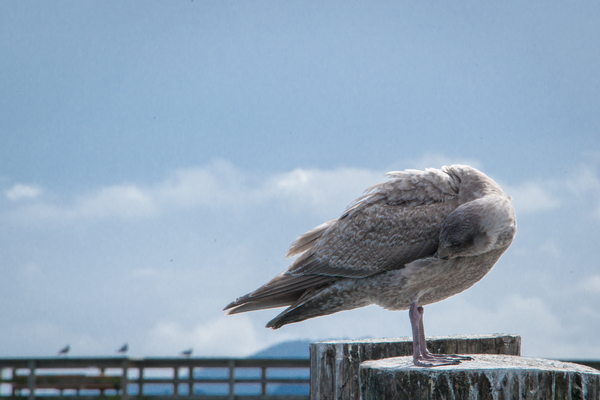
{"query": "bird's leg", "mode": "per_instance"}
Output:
(414, 316)
(421, 356)
(450, 358)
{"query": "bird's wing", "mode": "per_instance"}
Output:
(282, 290)
(395, 223)
(308, 240)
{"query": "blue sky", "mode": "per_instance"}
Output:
(158, 158)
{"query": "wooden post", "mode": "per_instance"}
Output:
(191, 381)
(124, 381)
(487, 377)
(31, 380)
(13, 388)
(176, 381)
(263, 381)
(231, 380)
(102, 391)
(334, 365)
(141, 380)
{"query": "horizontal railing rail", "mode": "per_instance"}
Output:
(128, 378)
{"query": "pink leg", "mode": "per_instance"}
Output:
(421, 356)
(414, 316)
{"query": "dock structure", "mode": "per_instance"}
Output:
(337, 370)
(174, 378)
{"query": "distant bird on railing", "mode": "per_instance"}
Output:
(187, 353)
(64, 351)
(123, 349)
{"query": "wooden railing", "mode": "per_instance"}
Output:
(183, 378)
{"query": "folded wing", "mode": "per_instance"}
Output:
(394, 223)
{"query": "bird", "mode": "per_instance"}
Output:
(64, 351)
(123, 349)
(187, 353)
(416, 239)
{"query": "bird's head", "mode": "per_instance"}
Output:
(477, 227)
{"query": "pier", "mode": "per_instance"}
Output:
(173, 378)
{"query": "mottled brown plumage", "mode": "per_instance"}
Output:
(416, 239)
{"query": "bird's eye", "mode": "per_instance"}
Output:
(455, 244)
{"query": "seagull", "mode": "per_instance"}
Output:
(187, 353)
(123, 349)
(414, 240)
(64, 350)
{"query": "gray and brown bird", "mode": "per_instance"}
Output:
(123, 349)
(414, 240)
(187, 353)
(64, 351)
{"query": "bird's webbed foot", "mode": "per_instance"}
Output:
(421, 356)
(436, 360)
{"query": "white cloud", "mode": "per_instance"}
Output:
(20, 192)
(550, 247)
(322, 193)
(592, 284)
(531, 317)
(120, 201)
(586, 181)
(218, 185)
(325, 192)
(531, 197)
(224, 336)
(581, 189)
(124, 201)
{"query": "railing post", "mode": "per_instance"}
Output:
(231, 379)
(263, 381)
(176, 381)
(12, 374)
(140, 380)
(191, 381)
(124, 382)
(31, 380)
(101, 391)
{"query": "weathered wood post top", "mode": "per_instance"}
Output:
(486, 377)
(334, 365)
(378, 369)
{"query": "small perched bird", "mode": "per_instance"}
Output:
(187, 353)
(414, 240)
(123, 349)
(64, 351)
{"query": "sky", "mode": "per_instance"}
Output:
(158, 158)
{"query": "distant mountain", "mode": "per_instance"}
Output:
(290, 349)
